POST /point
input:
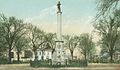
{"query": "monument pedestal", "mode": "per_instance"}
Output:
(59, 57)
(59, 54)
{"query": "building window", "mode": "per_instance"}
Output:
(12, 54)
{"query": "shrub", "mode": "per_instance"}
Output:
(4, 61)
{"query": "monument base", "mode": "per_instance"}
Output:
(59, 54)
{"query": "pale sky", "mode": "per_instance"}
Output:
(77, 14)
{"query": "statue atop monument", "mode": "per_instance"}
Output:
(58, 5)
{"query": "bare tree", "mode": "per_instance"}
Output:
(37, 38)
(71, 43)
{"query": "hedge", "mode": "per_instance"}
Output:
(71, 63)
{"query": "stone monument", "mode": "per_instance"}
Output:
(59, 53)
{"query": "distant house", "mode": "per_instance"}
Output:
(45, 54)
(25, 55)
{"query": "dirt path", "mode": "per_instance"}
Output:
(90, 67)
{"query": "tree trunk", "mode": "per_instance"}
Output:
(18, 56)
(53, 51)
(36, 57)
(42, 55)
(71, 54)
(85, 56)
(111, 57)
(10, 57)
(111, 53)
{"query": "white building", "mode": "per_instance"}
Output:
(25, 55)
(45, 53)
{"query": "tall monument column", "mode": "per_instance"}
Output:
(59, 53)
(59, 21)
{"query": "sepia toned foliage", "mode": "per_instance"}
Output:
(109, 29)
(106, 7)
(13, 29)
(86, 45)
(37, 38)
(71, 43)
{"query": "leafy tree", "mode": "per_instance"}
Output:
(50, 38)
(71, 43)
(11, 27)
(21, 45)
(37, 38)
(86, 44)
(3, 46)
(108, 28)
(105, 7)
